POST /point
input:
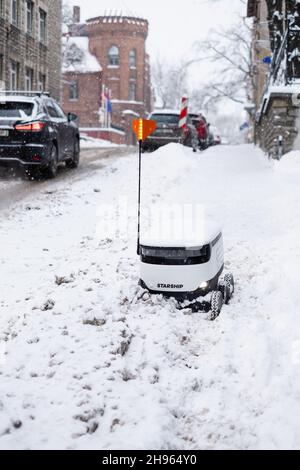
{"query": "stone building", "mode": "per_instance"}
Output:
(30, 46)
(276, 67)
(118, 42)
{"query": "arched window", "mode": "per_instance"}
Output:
(113, 56)
(132, 58)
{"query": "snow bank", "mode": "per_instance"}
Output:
(290, 162)
(91, 361)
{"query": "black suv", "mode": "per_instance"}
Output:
(168, 131)
(36, 134)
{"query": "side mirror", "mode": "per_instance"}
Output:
(72, 117)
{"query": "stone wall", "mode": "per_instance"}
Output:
(277, 128)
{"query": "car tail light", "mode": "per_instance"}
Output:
(37, 126)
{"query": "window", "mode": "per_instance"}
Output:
(28, 79)
(2, 83)
(42, 82)
(29, 16)
(51, 109)
(59, 111)
(2, 8)
(132, 91)
(14, 12)
(43, 26)
(14, 75)
(14, 109)
(132, 58)
(73, 90)
(114, 56)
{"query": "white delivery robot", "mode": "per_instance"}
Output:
(186, 269)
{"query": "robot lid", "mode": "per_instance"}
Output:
(184, 234)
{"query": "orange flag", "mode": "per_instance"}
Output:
(143, 128)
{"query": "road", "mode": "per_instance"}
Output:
(14, 187)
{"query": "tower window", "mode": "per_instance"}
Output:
(132, 91)
(132, 58)
(114, 56)
(74, 91)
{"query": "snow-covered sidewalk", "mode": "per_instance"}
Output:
(87, 361)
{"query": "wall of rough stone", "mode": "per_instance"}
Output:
(279, 119)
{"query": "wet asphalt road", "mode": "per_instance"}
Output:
(14, 186)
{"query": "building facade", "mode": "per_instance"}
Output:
(276, 65)
(30, 46)
(118, 42)
(81, 74)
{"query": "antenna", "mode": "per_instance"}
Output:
(142, 129)
(139, 198)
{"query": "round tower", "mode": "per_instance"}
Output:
(118, 42)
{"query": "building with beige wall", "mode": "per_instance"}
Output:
(30, 46)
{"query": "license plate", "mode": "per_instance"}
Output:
(3, 133)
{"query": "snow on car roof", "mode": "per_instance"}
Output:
(166, 111)
(77, 57)
(17, 99)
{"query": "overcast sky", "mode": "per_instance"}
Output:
(174, 24)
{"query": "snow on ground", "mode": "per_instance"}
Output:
(90, 361)
(87, 142)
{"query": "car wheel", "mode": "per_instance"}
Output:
(74, 162)
(51, 170)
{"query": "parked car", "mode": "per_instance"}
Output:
(36, 134)
(168, 131)
(190, 136)
(215, 136)
(202, 128)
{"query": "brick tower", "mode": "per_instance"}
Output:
(119, 43)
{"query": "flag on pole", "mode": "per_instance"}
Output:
(183, 112)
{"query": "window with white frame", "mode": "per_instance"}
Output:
(43, 26)
(14, 12)
(28, 79)
(29, 16)
(42, 82)
(2, 8)
(132, 91)
(73, 90)
(114, 56)
(132, 58)
(14, 75)
(2, 83)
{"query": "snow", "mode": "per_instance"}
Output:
(91, 361)
(166, 111)
(87, 142)
(77, 57)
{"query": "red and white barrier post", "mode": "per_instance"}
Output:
(183, 112)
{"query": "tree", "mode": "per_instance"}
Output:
(231, 52)
(170, 82)
(67, 15)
